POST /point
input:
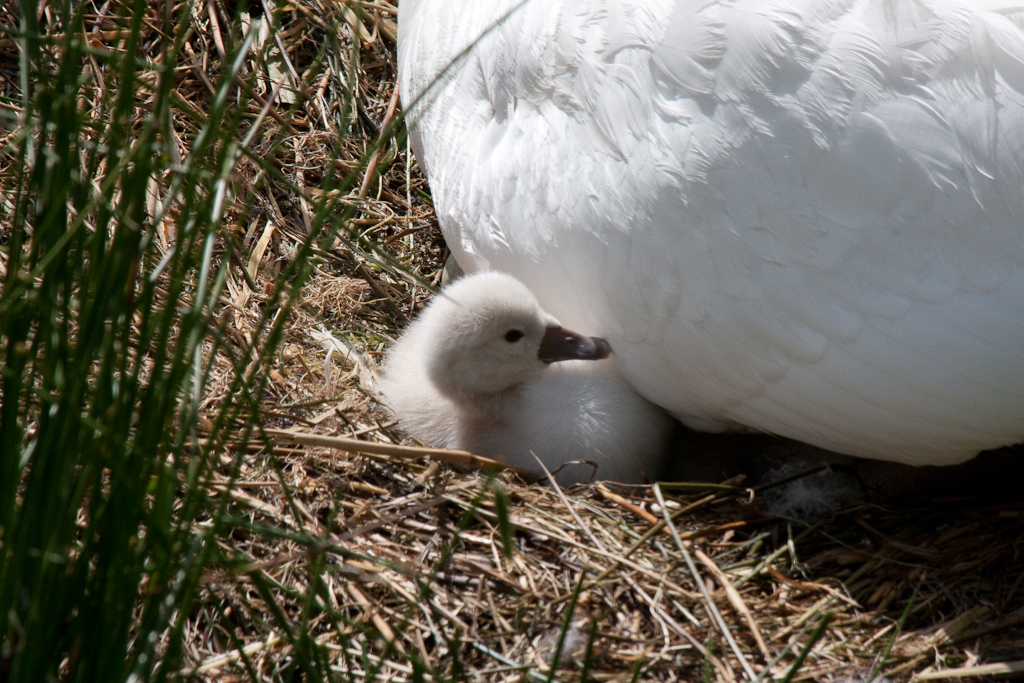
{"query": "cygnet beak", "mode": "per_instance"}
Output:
(562, 344)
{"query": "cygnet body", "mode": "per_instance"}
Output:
(485, 369)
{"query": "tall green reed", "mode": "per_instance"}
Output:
(109, 320)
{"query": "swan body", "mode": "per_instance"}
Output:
(801, 217)
(485, 369)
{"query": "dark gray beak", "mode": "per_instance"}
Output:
(562, 344)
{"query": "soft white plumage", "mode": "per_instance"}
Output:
(804, 217)
(476, 371)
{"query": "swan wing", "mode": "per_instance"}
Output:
(800, 217)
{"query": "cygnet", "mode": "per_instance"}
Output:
(486, 370)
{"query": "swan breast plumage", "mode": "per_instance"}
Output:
(802, 217)
(485, 369)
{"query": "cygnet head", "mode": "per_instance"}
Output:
(486, 334)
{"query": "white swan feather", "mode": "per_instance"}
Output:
(802, 217)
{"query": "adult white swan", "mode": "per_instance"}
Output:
(804, 217)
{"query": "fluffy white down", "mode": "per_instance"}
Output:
(802, 217)
(455, 381)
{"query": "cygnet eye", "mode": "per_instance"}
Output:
(513, 336)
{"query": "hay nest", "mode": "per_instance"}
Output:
(423, 579)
